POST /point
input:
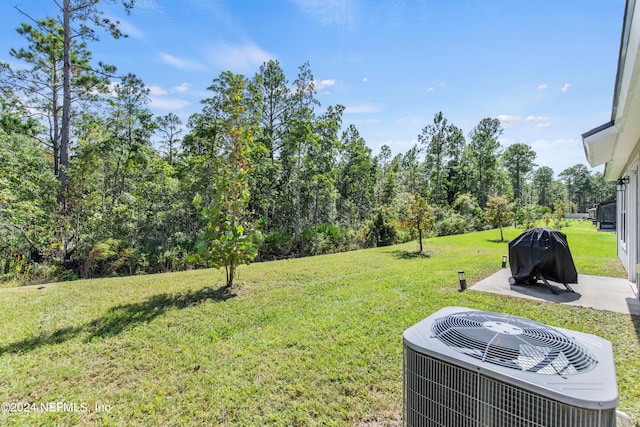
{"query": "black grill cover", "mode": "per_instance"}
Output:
(543, 251)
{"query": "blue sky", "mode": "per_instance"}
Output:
(546, 69)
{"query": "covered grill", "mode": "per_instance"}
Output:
(539, 254)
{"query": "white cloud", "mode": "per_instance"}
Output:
(131, 30)
(243, 58)
(365, 80)
(126, 27)
(182, 64)
(542, 86)
(363, 108)
(566, 87)
(329, 12)
(169, 104)
(536, 119)
(157, 90)
(430, 89)
(323, 84)
(509, 121)
(181, 88)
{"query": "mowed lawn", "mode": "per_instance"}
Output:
(310, 341)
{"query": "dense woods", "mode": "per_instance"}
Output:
(262, 172)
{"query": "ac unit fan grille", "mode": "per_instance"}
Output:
(438, 393)
(513, 342)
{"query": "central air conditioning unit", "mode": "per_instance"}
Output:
(465, 367)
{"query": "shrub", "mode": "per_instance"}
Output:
(380, 230)
(320, 239)
(467, 206)
(452, 224)
(527, 216)
(276, 245)
(107, 258)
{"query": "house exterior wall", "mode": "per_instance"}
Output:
(623, 223)
(616, 144)
(636, 223)
(628, 231)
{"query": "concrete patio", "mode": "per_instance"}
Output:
(600, 293)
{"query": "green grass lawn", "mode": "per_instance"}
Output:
(311, 341)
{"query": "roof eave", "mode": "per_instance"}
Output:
(599, 143)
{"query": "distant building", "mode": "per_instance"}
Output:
(616, 144)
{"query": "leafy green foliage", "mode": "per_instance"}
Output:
(312, 341)
(518, 160)
(416, 214)
(498, 212)
(482, 157)
(261, 155)
(442, 143)
(229, 238)
(381, 229)
(28, 205)
(355, 180)
(106, 258)
(467, 206)
(225, 241)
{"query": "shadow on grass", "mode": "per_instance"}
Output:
(409, 254)
(497, 241)
(121, 318)
(636, 322)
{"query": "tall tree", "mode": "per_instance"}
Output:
(320, 165)
(85, 14)
(542, 179)
(518, 160)
(273, 102)
(59, 66)
(356, 178)
(41, 86)
(602, 190)
(411, 169)
(457, 172)
(483, 156)
(170, 127)
(130, 126)
(578, 181)
(390, 181)
(442, 142)
(556, 191)
(275, 106)
(382, 162)
(298, 138)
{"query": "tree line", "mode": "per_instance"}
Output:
(92, 184)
